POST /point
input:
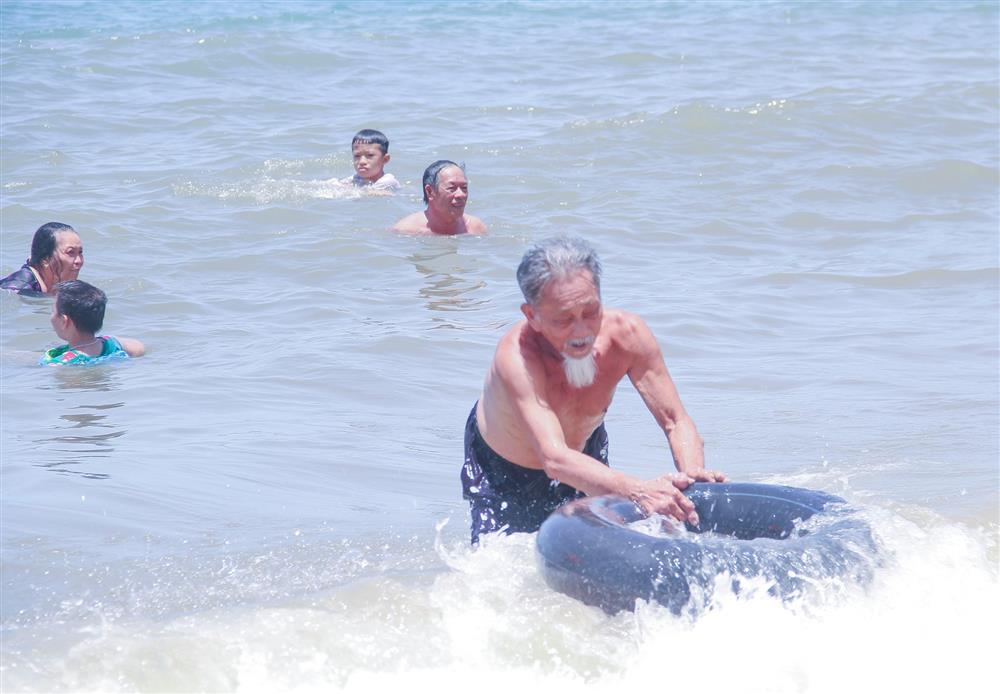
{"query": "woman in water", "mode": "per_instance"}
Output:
(56, 255)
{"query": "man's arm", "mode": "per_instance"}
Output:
(650, 377)
(524, 381)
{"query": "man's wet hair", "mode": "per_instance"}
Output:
(371, 137)
(432, 172)
(555, 258)
(83, 303)
(43, 243)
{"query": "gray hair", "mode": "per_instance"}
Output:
(555, 258)
(432, 172)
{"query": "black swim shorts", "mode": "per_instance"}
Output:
(504, 496)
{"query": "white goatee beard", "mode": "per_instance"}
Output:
(580, 372)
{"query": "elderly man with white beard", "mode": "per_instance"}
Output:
(536, 438)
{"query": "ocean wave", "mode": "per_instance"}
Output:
(269, 190)
(376, 614)
(928, 278)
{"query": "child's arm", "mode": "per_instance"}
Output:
(133, 348)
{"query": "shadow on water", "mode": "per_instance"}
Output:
(85, 433)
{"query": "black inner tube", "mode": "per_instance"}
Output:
(791, 537)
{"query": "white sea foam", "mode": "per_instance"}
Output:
(487, 616)
(269, 190)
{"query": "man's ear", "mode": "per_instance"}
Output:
(386, 158)
(429, 191)
(529, 313)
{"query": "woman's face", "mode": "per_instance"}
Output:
(66, 261)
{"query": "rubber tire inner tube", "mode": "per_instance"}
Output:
(793, 538)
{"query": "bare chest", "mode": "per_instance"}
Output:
(581, 410)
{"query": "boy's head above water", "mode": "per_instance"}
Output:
(370, 149)
(78, 310)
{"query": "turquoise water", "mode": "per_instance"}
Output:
(800, 198)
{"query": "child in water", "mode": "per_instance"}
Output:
(370, 149)
(77, 315)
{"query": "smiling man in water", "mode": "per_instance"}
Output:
(446, 191)
(536, 437)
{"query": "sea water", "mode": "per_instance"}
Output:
(799, 198)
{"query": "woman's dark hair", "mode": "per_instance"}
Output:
(43, 245)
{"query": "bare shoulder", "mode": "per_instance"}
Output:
(630, 334)
(625, 324)
(415, 223)
(474, 225)
(510, 353)
(515, 363)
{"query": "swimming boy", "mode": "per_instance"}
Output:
(77, 315)
(370, 149)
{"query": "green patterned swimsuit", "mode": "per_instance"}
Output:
(112, 349)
